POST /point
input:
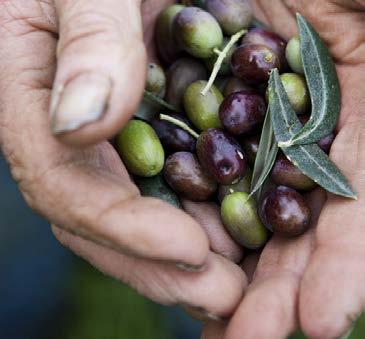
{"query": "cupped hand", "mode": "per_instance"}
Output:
(79, 66)
(315, 281)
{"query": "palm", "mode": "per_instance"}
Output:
(280, 268)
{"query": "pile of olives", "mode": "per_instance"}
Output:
(215, 162)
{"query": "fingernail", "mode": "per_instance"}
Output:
(200, 313)
(190, 268)
(81, 101)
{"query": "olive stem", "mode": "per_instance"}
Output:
(180, 124)
(157, 100)
(220, 59)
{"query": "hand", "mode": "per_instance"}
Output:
(315, 281)
(92, 53)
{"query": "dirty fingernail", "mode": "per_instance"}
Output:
(200, 313)
(81, 101)
(190, 268)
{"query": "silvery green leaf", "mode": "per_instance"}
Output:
(310, 159)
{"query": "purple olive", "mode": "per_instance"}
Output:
(250, 145)
(234, 85)
(326, 142)
(253, 63)
(172, 137)
(286, 174)
(284, 211)
(262, 36)
(242, 112)
(185, 175)
(221, 156)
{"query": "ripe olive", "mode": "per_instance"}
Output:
(221, 156)
(181, 74)
(172, 137)
(286, 174)
(185, 176)
(285, 212)
(250, 145)
(232, 15)
(253, 63)
(242, 112)
(263, 36)
(233, 85)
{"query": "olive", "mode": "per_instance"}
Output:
(293, 55)
(185, 176)
(197, 3)
(262, 36)
(232, 15)
(296, 88)
(242, 112)
(221, 156)
(166, 45)
(202, 110)
(140, 149)
(253, 63)
(197, 32)
(285, 212)
(239, 216)
(233, 85)
(172, 137)
(156, 80)
(326, 142)
(180, 75)
(226, 65)
(244, 185)
(286, 174)
(250, 145)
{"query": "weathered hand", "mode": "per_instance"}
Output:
(315, 281)
(92, 53)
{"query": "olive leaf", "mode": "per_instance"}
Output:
(265, 158)
(158, 188)
(151, 105)
(323, 85)
(310, 159)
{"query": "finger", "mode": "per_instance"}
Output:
(88, 191)
(208, 216)
(216, 290)
(101, 69)
(269, 308)
(332, 292)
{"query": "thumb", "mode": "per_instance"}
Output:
(100, 73)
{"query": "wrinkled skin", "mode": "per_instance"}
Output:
(317, 278)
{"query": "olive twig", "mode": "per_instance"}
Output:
(180, 124)
(221, 56)
(154, 98)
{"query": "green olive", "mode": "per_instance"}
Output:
(202, 110)
(226, 65)
(156, 80)
(244, 185)
(239, 215)
(165, 41)
(297, 91)
(293, 55)
(197, 32)
(140, 149)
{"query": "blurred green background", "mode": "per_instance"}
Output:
(48, 293)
